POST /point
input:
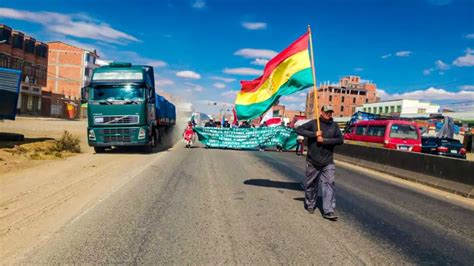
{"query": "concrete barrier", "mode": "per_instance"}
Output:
(454, 175)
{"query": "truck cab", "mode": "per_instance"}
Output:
(121, 107)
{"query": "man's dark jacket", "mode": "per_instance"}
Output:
(321, 154)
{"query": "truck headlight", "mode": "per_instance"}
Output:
(91, 134)
(141, 133)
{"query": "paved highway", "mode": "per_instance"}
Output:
(207, 206)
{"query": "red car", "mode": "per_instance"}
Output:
(392, 134)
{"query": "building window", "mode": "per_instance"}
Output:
(330, 98)
(386, 110)
(366, 100)
(30, 46)
(41, 51)
(18, 41)
(4, 61)
(342, 108)
(364, 109)
(380, 109)
(354, 100)
(342, 100)
(5, 35)
(422, 110)
(399, 109)
(392, 109)
(16, 64)
(28, 70)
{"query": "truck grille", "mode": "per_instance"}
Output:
(116, 119)
(113, 139)
(113, 131)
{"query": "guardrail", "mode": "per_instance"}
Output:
(454, 175)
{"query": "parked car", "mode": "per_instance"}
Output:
(443, 146)
(392, 134)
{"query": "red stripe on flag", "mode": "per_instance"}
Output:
(297, 46)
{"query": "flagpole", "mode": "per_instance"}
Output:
(315, 100)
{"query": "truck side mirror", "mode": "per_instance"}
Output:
(84, 94)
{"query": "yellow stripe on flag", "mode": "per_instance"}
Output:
(277, 78)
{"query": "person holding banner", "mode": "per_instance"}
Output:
(319, 161)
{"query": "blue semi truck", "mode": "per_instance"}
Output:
(10, 80)
(124, 109)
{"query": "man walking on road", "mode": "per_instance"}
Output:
(320, 166)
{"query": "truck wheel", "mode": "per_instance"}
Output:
(99, 149)
(154, 143)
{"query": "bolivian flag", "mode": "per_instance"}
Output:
(286, 73)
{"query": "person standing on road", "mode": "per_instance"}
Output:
(299, 145)
(319, 161)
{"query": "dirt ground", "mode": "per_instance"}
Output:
(38, 196)
(36, 130)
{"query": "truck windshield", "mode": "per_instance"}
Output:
(403, 132)
(118, 93)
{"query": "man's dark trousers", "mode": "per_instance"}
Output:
(323, 176)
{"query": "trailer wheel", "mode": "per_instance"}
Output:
(154, 143)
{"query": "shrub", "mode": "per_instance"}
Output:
(67, 142)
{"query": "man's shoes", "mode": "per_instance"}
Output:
(311, 210)
(330, 216)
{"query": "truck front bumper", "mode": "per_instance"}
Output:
(118, 136)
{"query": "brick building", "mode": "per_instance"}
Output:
(70, 69)
(22, 52)
(344, 97)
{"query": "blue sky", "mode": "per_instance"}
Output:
(418, 49)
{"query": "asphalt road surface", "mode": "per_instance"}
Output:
(208, 206)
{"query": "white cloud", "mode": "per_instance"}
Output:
(254, 25)
(243, 71)
(302, 94)
(227, 80)
(292, 99)
(163, 82)
(259, 62)
(219, 85)
(430, 94)
(230, 94)
(467, 88)
(76, 25)
(441, 65)
(470, 36)
(194, 87)
(465, 61)
(386, 56)
(358, 69)
(199, 4)
(428, 71)
(295, 107)
(256, 53)
(131, 56)
(157, 63)
(188, 74)
(403, 53)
